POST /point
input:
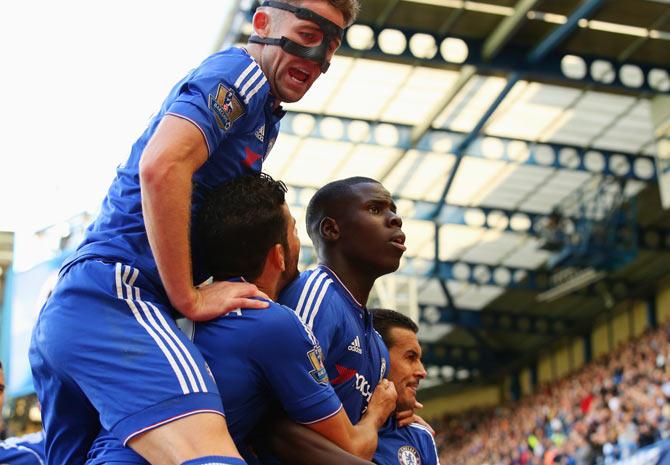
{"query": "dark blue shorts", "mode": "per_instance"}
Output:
(106, 352)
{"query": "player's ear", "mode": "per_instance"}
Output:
(328, 229)
(261, 23)
(277, 256)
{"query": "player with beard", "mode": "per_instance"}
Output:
(413, 444)
(260, 358)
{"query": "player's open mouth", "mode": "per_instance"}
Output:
(298, 74)
(398, 241)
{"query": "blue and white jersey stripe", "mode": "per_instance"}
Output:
(23, 450)
(248, 84)
(152, 320)
(312, 296)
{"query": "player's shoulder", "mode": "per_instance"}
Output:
(237, 71)
(423, 437)
(277, 317)
(23, 450)
(277, 313)
(313, 291)
(279, 324)
(421, 431)
(313, 282)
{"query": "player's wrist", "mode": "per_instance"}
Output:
(187, 303)
(375, 415)
(383, 418)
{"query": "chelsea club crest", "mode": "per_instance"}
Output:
(408, 455)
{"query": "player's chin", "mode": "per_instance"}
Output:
(292, 90)
(407, 403)
(291, 97)
(387, 268)
(392, 264)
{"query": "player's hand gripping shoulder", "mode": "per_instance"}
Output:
(424, 423)
(361, 439)
(383, 402)
(222, 297)
(407, 417)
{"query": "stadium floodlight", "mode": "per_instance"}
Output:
(572, 283)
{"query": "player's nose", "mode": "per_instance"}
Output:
(395, 220)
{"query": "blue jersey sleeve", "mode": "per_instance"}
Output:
(312, 298)
(22, 451)
(326, 326)
(292, 362)
(211, 99)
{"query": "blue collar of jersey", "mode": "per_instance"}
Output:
(367, 315)
(278, 112)
(337, 278)
(240, 279)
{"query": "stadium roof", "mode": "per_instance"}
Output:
(483, 118)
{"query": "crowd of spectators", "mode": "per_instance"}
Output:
(601, 414)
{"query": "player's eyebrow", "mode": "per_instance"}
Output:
(383, 201)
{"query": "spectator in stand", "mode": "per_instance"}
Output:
(598, 415)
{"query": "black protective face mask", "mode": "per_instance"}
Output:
(331, 31)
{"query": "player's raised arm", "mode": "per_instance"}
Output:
(174, 153)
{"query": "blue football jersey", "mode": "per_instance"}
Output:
(23, 450)
(411, 445)
(228, 99)
(259, 357)
(355, 355)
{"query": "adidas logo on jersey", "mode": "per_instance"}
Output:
(260, 133)
(355, 346)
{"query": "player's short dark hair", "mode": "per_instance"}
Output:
(348, 8)
(328, 201)
(238, 224)
(385, 320)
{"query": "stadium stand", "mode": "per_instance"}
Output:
(600, 414)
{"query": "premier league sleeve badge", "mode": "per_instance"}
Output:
(225, 106)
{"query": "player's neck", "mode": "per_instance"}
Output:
(268, 286)
(357, 280)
